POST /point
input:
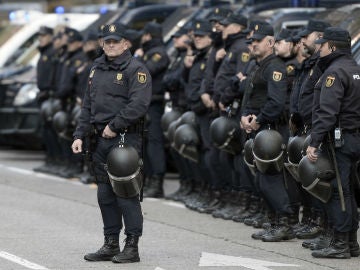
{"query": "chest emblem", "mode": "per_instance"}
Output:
(329, 81)
(119, 76)
(277, 76)
(245, 57)
(141, 77)
(289, 69)
(202, 66)
(44, 58)
(156, 57)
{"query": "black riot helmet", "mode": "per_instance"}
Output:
(225, 134)
(171, 131)
(188, 118)
(167, 118)
(61, 122)
(268, 151)
(294, 149)
(49, 107)
(249, 156)
(306, 145)
(123, 166)
(187, 142)
(75, 114)
(315, 176)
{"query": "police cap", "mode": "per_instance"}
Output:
(180, 32)
(294, 36)
(335, 34)
(44, 30)
(251, 25)
(314, 26)
(283, 34)
(219, 14)
(74, 35)
(91, 36)
(202, 28)
(234, 18)
(113, 31)
(261, 31)
(154, 29)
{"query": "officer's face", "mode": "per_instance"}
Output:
(325, 49)
(181, 42)
(73, 46)
(262, 48)
(283, 48)
(114, 48)
(309, 42)
(202, 42)
(232, 28)
(217, 26)
(44, 40)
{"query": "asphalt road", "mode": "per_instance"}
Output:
(48, 222)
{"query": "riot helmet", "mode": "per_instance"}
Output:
(268, 150)
(225, 134)
(123, 166)
(75, 114)
(316, 176)
(171, 131)
(249, 156)
(61, 122)
(167, 118)
(306, 145)
(188, 118)
(187, 142)
(294, 155)
(49, 107)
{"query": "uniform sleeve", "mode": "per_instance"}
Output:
(67, 82)
(275, 75)
(157, 63)
(140, 90)
(332, 92)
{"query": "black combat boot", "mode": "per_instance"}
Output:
(107, 251)
(314, 228)
(155, 189)
(282, 231)
(130, 253)
(214, 204)
(353, 244)
(249, 206)
(338, 248)
(271, 218)
(320, 242)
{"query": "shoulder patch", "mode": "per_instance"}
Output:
(277, 76)
(141, 77)
(289, 69)
(329, 81)
(245, 57)
(156, 57)
(78, 63)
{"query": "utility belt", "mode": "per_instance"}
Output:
(136, 128)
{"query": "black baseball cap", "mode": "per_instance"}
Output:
(202, 28)
(44, 30)
(261, 31)
(154, 29)
(180, 32)
(113, 31)
(234, 18)
(335, 34)
(251, 25)
(314, 26)
(74, 35)
(283, 34)
(219, 14)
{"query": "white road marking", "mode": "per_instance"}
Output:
(212, 259)
(18, 170)
(175, 204)
(21, 261)
(158, 268)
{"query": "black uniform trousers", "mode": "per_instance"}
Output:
(345, 157)
(113, 208)
(51, 141)
(155, 158)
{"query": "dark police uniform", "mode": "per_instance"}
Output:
(118, 94)
(265, 97)
(339, 107)
(156, 60)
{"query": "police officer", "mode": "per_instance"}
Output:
(154, 56)
(264, 101)
(45, 74)
(338, 109)
(118, 95)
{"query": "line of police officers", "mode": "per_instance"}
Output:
(263, 129)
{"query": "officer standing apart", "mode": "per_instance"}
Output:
(338, 110)
(117, 97)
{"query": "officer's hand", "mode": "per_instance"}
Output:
(311, 153)
(108, 133)
(206, 99)
(245, 123)
(253, 124)
(188, 61)
(77, 146)
(222, 107)
(139, 52)
(241, 76)
(220, 54)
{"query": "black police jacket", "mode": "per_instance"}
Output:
(46, 68)
(156, 60)
(118, 94)
(266, 93)
(67, 87)
(338, 102)
(306, 94)
(237, 56)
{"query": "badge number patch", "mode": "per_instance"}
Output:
(277, 76)
(329, 81)
(141, 77)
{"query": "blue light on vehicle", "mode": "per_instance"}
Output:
(103, 9)
(59, 10)
(12, 16)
